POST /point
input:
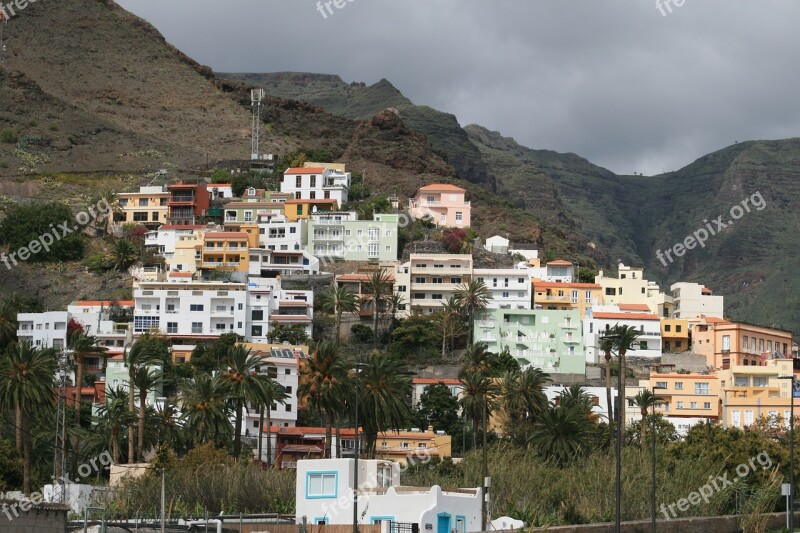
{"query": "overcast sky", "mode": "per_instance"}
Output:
(615, 81)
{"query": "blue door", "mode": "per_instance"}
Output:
(443, 525)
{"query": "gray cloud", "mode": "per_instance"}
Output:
(611, 80)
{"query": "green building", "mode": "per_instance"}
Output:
(340, 235)
(548, 339)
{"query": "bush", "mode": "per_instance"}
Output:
(8, 136)
(361, 333)
(26, 223)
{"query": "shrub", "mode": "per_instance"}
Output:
(25, 223)
(361, 333)
(8, 136)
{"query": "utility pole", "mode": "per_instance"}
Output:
(60, 453)
(163, 499)
(485, 472)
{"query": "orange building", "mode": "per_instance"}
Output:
(725, 344)
(566, 296)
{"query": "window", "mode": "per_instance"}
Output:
(505, 294)
(312, 195)
(661, 384)
(384, 476)
(195, 308)
(288, 408)
(680, 405)
(726, 343)
(401, 288)
(740, 381)
(436, 280)
(679, 385)
(588, 297)
(759, 382)
(123, 202)
(455, 280)
(154, 216)
(459, 217)
(643, 345)
(142, 202)
(313, 181)
(761, 345)
(197, 327)
(298, 181)
(678, 328)
(172, 327)
(693, 405)
(706, 405)
(667, 327)
(745, 342)
(701, 389)
(321, 485)
(256, 331)
(610, 291)
(140, 216)
(258, 315)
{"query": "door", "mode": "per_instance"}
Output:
(443, 524)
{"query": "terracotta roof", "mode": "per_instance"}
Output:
(625, 316)
(560, 262)
(293, 303)
(706, 290)
(301, 448)
(434, 381)
(714, 320)
(254, 204)
(219, 185)
(312, 170)
(634, 307)
(442, 187)
(176, 226)
(226, 235)
(105, 303)
(553, 285)
(289, 318)
(180, 274)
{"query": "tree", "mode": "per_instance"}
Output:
(82, 346)
(523, 397)
(561, 434)
(384, 388)
(291, 333)
(438, 408)
(245, 384)
(575, 397)
(478, 360)
(26, 385)
(274, 394)
(206, 410)
(644, 401)
(454, 240)
(471, 298)
(606, 346)
(415, 334)
(339, 300)
(625, 338)
(505, 362)
(325, 384)
(449, 321)
(114, 413)
(144, 381)
(25, 223)
(209, 358)
(142, 353)
(376, 290)
(479, 394)
(123, 254)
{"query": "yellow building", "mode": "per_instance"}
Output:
(228, 250)
(750, 393)
(675, 335)
(687, 395)
(566, 296)
(302, 209)
(147, 207)
(630, 287)
(400, 446)
(726, 344)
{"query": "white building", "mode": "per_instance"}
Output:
(177, 245)
(190, 310)
(43, 330)
(600, 318)
(268, 303)
(558, 271)
(317, 183)
(267, 263)
(692, 300)
(324, 495)
(276, 232)
(497, 244)
(220, 190)
(510, 288)
(426, 281)
(101, 319)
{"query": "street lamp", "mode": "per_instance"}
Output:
(790, 520)
(653, 494)
(618, 443)
(359, 366)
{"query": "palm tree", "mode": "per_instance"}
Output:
(479, 392)
(140, 355)
(478, 360)
(123, 254)
(324, 382)
(384, 389)
(576, 397)
(245, 385)
(561, 434)
(168, 426)
(205, 409)
(114, 413)
(644, 401)
(449, 322)
(471, 298)
(522, 395)
(339, 300)
(8, 323)
(625, 338)
(82, 346)
(26, 385)
(144, 381)
(394, 303)
(376, 290)
(606, 346)
(275, 393)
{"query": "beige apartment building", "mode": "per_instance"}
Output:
(727, 344)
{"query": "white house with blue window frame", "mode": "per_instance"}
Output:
(324, 494)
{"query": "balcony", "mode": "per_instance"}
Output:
(570, 340)
(213, 264)
(435, 287)
(490, 337)
(418, 302)
(487, 324)
(555, 298)
(324, 237)
(569, 325)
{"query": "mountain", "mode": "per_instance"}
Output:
(613, 218)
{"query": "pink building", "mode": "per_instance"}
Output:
(444, 203)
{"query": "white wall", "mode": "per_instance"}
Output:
(44, 330)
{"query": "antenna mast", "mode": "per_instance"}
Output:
(60, 454)
(256, 97)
